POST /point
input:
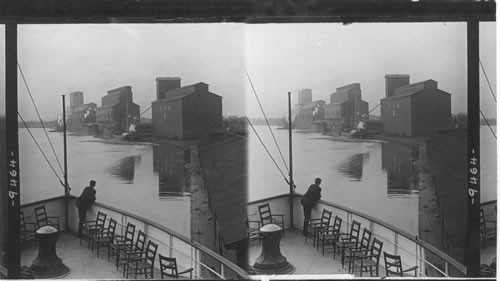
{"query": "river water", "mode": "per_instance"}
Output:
(372, 177)
(144, 179)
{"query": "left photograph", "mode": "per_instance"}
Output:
(132, 151)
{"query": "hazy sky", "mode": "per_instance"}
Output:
(59, 59)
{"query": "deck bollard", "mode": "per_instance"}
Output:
(47, 264)
(271, 261)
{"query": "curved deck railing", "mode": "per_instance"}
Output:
(206, 263)
(431, 261)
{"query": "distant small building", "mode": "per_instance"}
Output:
(117, 110)
(79, 113)
(189, 112)
(346, 107)
(305, 97)
(418, 109)
(308, 113)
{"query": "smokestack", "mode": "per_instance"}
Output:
(394, 81)
(164, 84)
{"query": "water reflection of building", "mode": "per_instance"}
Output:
(353, 166)
(124, 169)
(398, 162)
(169, 162)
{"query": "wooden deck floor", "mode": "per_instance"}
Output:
(83, 263)
(304, 257)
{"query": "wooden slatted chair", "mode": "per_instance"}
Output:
(253, 230)
(104, 237)
(28, 229)
(369, 262)
(42, 219)
(142, 261)
(311, 230)
(345, 241)
(321, 226)
(394, 266)
(92, 227)
(168, 268)
(362, 248)
(128, 252)
(488, 228)
(121, 242)
(331, 236)
(267, 217)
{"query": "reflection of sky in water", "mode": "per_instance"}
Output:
(352, 167)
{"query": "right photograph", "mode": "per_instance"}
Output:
(359, 150)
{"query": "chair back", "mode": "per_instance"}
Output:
(326, 217)
(141, 241)
(21, 220)
(393, 265)
(337, 223)
(376, 249)
(111, 226)
(168, 267)
(101, 219)
(41, 216)
(355, 229)
(365, 239)
(265, 214)
(130, 233)
(482, 218)
(151, 250)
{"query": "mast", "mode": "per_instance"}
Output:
(66, 188)
(290, 181)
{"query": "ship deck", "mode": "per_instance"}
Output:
(304, 257)
(309, 261)
(82, 262)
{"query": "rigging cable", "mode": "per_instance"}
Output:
(269, 126)
(488, 123)
(145, 111)
(267, 150)
(40, 149)
(40, 118)
(488, 80)
(374, 108)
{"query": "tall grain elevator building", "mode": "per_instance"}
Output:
(117, 110)
(418, 109)
(78, 113)
(346, 107)
(189, 112)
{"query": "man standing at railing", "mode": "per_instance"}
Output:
(83, 203)
(312, 195)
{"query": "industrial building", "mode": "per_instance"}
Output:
(346, 108)
(308, 112)
(78, 113)
(418, 109)
(117, 111)
(189, 112)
